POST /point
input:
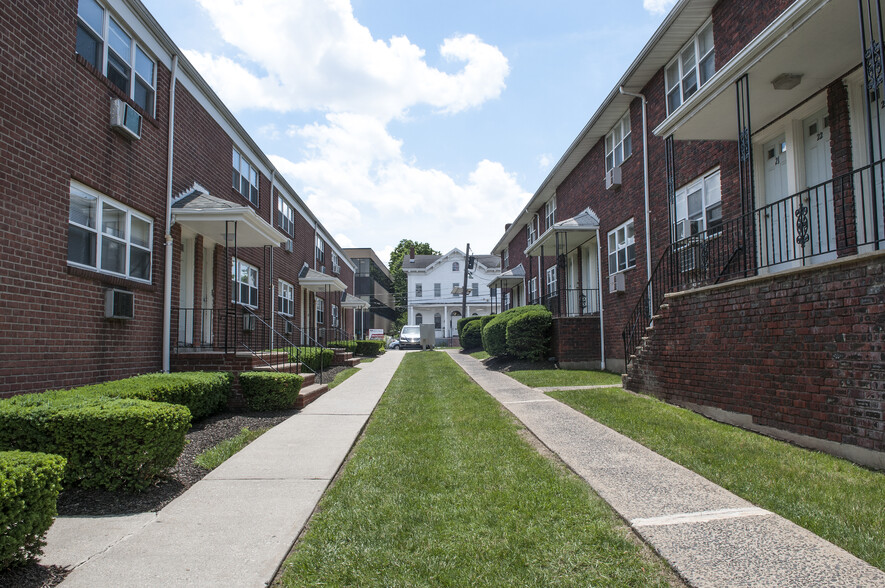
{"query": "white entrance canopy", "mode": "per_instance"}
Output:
(350, 301)
(223, 222)
(579, 229)
(315, 281)
(509, 279)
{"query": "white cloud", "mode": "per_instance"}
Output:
(658, 6)
(312, 55)
(545, 160)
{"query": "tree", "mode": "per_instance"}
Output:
(400, 282)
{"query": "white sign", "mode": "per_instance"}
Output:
(376, 333)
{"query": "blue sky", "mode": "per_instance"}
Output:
(434, 121)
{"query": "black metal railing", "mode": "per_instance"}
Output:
(571, 302)
(842, 216)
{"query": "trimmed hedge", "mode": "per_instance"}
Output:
(494, 333)
(112, 443)
(346, 345)
(315, 358)
(471, 335)
(270, 390)
(367, 347)
(462, 322)
(203, 393)
(29, 487)
(483, 321)
(529, 334)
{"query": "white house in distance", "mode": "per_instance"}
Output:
(435, 283)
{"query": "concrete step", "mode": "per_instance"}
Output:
(353, 362)
(310, 393)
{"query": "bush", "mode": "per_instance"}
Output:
(471, 336)
(203, 393)
(483, 321)
(346, 345)
(528, 335)
(29, 487)
(369, 347)
(314, 358)
(494, 333)
(112, 443)
(463, 322)
(270, 390)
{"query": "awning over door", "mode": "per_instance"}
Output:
(351, 301)
(315, 281)
(224, 222)
(509, 279)
(577, 230)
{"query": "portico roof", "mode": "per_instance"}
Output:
(351, 301)
(510, 278)
(578, 230)
(222, 221)
(315, 281)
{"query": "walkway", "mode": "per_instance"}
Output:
(711, 537)
(235, 526)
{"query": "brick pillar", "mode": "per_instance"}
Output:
(840, 156)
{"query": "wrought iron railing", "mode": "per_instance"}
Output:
(571, 302)
(842, 216)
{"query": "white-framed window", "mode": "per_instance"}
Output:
(110, 49)
(108, 237)
(691, 68)
(245, 177)
(245, 283)
(437, 290)
(551, 280)
(621, 248)
(505, 261)
(419, 318)
(456, 266)
(336, 264)
(321, 311)
(419, 290)
(285, 216)
(474, 289)
(550, 213)
(437, 321)
(531, 230)
(456, 288)
(533, 290)
(699, 206)
(334, 315)
(618, 144)
(286, 298)
(321, 250)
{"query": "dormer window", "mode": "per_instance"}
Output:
(691, 68)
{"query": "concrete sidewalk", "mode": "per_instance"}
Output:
(235, 526)
(711, 537)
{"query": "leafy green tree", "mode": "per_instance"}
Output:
(400, 282)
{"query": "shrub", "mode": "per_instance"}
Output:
(270, 390)
(483, 321)
(494, 333)
(203, 393)
(463, 322)
(528, 335)
(29, 487)
(369, 347)
(112, 443)
(471, 336)
(314, 358)
(346, 345)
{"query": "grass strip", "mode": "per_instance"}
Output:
(831, 497)
(341, 376)
(545, 378)
(218, 454)
(480, 355)
(443, 491)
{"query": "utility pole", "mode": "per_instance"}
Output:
(464, 289)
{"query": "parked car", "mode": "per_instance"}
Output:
(393, 344)
(410, 337)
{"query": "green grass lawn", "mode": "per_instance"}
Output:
(480, 355)
(443, 491)
(544, 378)
(341, 376)
(215, 456)
(831, 497)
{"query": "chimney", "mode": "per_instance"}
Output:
(507, 227)
(411, 254)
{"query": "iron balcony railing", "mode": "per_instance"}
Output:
(843, 216)
(571, 302)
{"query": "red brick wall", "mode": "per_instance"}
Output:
(737, 22)
(802, 351)
(576, 340)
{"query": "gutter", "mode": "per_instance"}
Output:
(167, 272)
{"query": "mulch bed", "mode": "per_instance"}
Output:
(80, 502)
(511, 364)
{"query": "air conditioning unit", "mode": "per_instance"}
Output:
(248, 322)
(125, 120)
(336, 269)
(288, 327)
(119, 304)
(289, 245)
(613, 178)
(616, 283)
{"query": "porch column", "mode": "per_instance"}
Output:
(745, 174)
(581, 298)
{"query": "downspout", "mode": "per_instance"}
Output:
(645, 179)
(167, 272)
(601, 317)
(273, 298)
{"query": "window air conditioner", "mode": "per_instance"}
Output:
(613, 178)
(248, 322)
(125, 120)
(289, 245)
(336, 269)
(616, 283)
(119, 304)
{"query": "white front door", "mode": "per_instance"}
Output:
(819, 240)
(186, 293)
(776, 221)
(208, 293)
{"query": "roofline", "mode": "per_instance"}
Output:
(649, 47)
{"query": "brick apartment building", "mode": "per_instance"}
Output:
(715, 231)
(139, 219)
